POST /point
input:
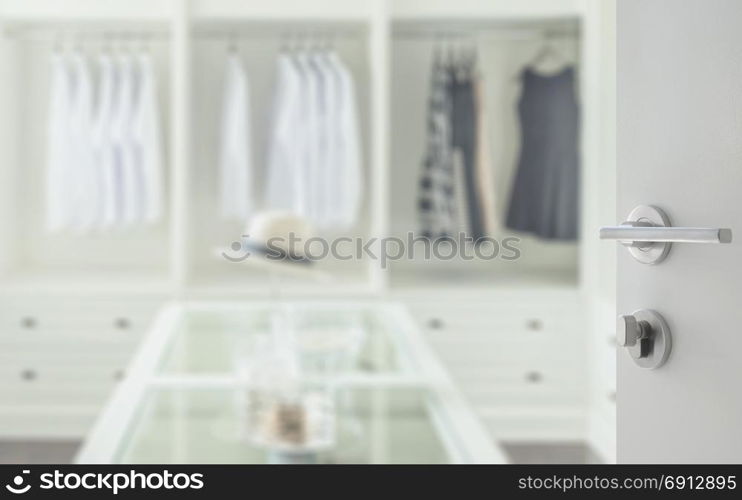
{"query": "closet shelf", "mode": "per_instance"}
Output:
(466, 10)
(286, 10)
(74, 282)
(223, 286)
(457, 279)
(79, 11)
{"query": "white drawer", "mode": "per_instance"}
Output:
(531, 388)
(494, 318)
(73, 356)
(489, 319)
(65, 353)
(520, 354)
(76, 317)
(501, 358)
(54, 385)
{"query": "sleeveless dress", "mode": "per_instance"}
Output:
(545, 195)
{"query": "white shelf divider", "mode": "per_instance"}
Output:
(180, 139)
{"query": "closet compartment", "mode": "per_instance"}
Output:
(56, 362)
(501, 49)
(515, 354)
(93, 255)
(257, 45)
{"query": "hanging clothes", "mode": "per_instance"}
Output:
(59, 185)
(464, 141)
(82, 172)
(284, 189)
(128, 175)
(456, 187)
(349, 174)
(105, 165)
(236, 193)
(307, 136)
(327, 140)
(545, 193)
(147, 137)
(458, 158)
(483, 163)
(102, 142)
(314, 154)
(437, 205)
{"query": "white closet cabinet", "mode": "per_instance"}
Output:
(60, 357)
(516, 355)
(503, 48)
(517, 338)
(73, 305)
(527, 341)
(32, 258)
(258, 44)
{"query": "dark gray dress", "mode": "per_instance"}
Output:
(464, 139)
(545, 195)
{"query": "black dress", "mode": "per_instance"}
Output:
(545, 195)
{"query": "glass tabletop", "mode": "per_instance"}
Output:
(338, 340)
(371, 425)
(288, 382)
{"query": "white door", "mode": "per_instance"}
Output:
(680, 149)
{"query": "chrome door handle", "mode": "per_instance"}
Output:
(631, 232)
(649, 235)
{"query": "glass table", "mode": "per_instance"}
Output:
(293, 382)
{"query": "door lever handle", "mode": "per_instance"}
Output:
(649, 235)
(630, 232)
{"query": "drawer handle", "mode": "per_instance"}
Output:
(29, 322)
(436, 324)
(29, 375)
(535, 325)
(534, 377)
(122, 323)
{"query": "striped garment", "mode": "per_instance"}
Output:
(437, 205)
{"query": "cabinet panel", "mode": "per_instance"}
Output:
(514, 359)
(57, 361)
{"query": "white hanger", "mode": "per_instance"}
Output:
(548, 55)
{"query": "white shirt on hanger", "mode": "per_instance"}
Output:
(314, 160)
(349, 169)
(128, 172)
(235, 155)
(307, 169)
(327, 97)
(147, 138)
(58, 184)
(82, 172)
(284, 188)
(103, 144)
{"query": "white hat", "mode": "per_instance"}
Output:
(279, 235)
